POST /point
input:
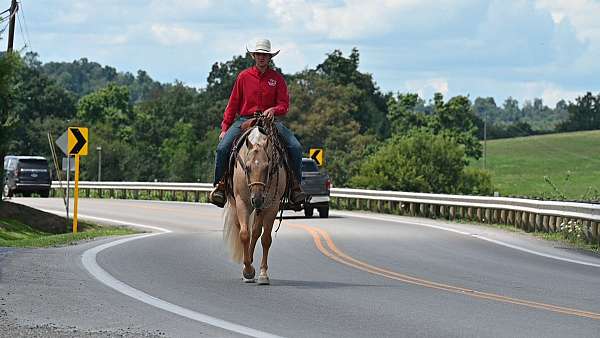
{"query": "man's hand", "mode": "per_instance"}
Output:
(269, 113)
(222, 135)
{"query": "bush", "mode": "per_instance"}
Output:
(418, 161)
(422, 162)
(476, 181)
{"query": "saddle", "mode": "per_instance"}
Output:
(274, 138)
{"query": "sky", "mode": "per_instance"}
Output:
(522, 49)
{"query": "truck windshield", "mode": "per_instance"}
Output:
(309, 166)
(33, 164)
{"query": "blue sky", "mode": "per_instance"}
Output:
(523, 49)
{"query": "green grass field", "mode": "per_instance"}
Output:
(17, 234)
(570, 160)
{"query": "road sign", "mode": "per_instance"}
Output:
(62, 142)
(78, 141)
(66, 165)
(318, 155)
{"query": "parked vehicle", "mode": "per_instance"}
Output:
(316, 184)
(26, 175)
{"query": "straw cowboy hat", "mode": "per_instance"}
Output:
(262, 46)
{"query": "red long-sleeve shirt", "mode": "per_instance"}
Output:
(254, 92)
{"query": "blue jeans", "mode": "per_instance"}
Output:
(293, 147)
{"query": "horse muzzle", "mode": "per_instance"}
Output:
(257, 201)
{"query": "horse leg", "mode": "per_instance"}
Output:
(256, 232)
(248, 272)
(266, 240)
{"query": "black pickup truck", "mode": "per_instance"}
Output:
(316, 184)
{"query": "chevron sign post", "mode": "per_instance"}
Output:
(78, 146)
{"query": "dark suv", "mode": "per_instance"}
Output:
(316, 184)
(26, 175)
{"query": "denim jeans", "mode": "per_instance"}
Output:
(293, 147)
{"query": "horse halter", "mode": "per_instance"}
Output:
(260, 183)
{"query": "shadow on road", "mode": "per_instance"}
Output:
(303, 284)
(303, 217)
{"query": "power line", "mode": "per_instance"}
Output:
(21, 30)
(25, 23)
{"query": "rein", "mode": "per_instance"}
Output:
(273, 160)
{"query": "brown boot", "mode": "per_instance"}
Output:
(217, 196)
(297, 196)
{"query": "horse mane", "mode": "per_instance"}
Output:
(261, 129)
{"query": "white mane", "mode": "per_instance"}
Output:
(256, 136)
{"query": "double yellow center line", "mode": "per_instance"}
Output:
(330, 250)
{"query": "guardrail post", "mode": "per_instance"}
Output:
(423, 209)
(595, 236)
(545, 223)
(587, 230)
(452, 212)
(531, 221)
(519, 219)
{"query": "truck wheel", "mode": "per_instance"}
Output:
(6, 192)
(324, 212)
(308, 211)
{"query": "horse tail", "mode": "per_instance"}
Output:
(231, 233)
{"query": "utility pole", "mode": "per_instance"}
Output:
(485, 139)
(99, 148)
(11, 28)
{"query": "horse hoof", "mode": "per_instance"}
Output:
(249, 275)
(263, 280)
(249, 280)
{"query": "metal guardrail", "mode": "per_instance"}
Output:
(529, 215)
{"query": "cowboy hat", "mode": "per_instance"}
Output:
(262, 46)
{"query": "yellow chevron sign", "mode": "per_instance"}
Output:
(318, 155)
(77, 141)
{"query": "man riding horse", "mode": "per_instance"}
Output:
(257, 90)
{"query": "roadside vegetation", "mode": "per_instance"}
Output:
(168, 131)
(561, 166)
(22, 226)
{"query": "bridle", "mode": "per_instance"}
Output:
(270, 173)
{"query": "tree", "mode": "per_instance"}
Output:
(405, 112)
(371, 105)
(8, 64)
(108, 105)
(421, 162)
(456, 119)
(584, 114)
(320, 116)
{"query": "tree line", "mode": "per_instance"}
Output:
(168, 131)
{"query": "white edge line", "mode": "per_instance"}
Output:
(91, 265)
(515, 247)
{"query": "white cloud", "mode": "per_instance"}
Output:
(583, 14)
(552, 94)
(178, 7)
(427, 87)
(174, 34)
(352, 19)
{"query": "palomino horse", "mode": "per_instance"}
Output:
(258, 185)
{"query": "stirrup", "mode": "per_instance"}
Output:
(217, 197)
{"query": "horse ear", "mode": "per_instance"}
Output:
(249, 144)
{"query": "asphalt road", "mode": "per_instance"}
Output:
(352, 275)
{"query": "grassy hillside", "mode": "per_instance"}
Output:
(570, 160)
